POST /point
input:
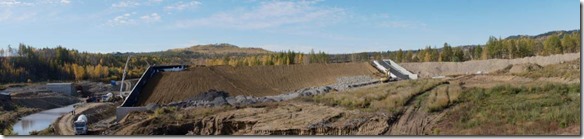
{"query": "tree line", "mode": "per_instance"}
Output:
(25, 63)
(28, 64)
(495, 48)
(278, 58)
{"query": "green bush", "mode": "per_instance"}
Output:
(164, 110)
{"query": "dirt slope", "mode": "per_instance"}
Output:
(248, 80)
(430, 69)
(63, 124)
(280, 119)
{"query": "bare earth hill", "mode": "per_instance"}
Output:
(246, 80)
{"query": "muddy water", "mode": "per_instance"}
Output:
(40, 120)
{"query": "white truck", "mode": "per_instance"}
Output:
(80, 125)
(107, 98)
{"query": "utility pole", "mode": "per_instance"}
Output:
(124, 76)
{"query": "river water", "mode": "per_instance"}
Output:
(40, 120)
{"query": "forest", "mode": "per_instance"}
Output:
(550, 43)
(28, 64)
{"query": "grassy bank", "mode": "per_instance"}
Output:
(516, 110)
(385, 97)
(569, 70)
(8, 118)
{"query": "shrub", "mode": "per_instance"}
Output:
(387, 97)
(550, 106)
(164, 110)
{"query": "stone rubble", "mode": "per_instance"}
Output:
(218, 98)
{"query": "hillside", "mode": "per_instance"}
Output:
(537, 101)
(246, 80)
(221, 49)
(544, 35)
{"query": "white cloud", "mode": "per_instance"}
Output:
(11, 3)
(65, 1)
(125, 19)
(125, 4)
(133, 19)
(16, 3)
(154, 17)
(179, 6)
(271, 14)
(29, 10)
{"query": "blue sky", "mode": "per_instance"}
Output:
(334, 26)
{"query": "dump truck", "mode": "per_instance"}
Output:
(80, 125)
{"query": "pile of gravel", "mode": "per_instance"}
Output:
(344, 83)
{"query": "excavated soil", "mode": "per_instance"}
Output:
(431, 69)
(282, 119)
(257, 81)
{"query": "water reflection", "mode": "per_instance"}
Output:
(40, 120)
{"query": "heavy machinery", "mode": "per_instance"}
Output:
(388, 77)
(107, 97)
(80, 125)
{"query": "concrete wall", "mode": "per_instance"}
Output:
(65, 88)
(121, 112)
(379, 66)
(128, 104)
(395, 70)
(402, 69)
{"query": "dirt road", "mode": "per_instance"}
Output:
(64, 123)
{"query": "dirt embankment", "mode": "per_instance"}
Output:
(430, 69)
(94, 112)
(298, 117)
(247, 80)
(307, 118)
(284, 118)
(21, 104)
(281, 119)
(45, 101)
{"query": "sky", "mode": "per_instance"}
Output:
(333, 26)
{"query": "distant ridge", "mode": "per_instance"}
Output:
(223, 48)
(544, 35)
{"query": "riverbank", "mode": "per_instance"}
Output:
(23, 104)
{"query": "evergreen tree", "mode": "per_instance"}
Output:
(446, 54)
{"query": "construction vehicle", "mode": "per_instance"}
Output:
(389, 77)
(80, 125)
(107, 97)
